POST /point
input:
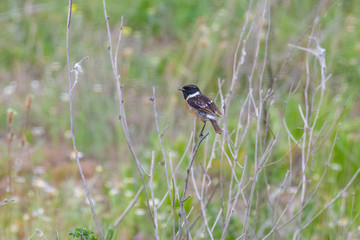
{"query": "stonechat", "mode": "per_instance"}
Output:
(201, 106)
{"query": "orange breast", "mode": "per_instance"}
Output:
(194, 112)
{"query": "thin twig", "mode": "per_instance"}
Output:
(333, 200)
(153, 195)
(202, 205)
(121, 105)
(77, 69)
(36, 232)
(175, 193)
(258, 114)
(182, 209)
(232, 207)
(72, 124)
(153, 100)
(128, 208)
(6, 201)
(206, 204)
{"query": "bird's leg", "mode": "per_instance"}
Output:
(202, 130)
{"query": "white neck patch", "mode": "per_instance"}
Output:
(193, 95)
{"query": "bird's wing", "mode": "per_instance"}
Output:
(205, 104)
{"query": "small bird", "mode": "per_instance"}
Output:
(202, 107)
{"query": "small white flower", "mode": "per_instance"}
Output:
(156, 200)
(78, 192)
(129, 193)
(64, 97)
(342, 222)
(37, 131)
(97, 88)
(26, 217)
(129, 180)
(335, 166)
(99, 168)
(9, 90)
(40, 211)
(114, 191)
(14, 228)
(140, 212)
(35, 84)
(9, 110)
(68, 134)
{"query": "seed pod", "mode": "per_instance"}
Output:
(28, 103)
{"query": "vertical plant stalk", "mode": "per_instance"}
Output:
(307, 131)
(175, 191)
(232, 206)
(258, 113)
(308, 134)
(237, 63)
(153, 100)
(10, 138)
(122, 116)
(202, 203)
(183, 198)
(153, 195)
(128, 208)
(72, 124)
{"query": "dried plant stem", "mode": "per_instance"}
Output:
(206, 204)
(122, 116)
(232, 206)
(202, 205)
(72, 124)
(258, 113)
(175, 193)
(237, 63)
(6, 201)
(36, 232)
(153, 100)
(153, 195)
(128, 208)
(334, 199)
(183, 198)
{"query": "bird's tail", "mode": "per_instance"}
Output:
(216, 126)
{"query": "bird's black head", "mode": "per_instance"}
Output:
(189, 89)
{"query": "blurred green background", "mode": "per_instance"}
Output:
(165, 44)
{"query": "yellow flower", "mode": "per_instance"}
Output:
(74, 7)
(126, 30)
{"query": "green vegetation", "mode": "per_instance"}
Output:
(167, 44)
(83, 233)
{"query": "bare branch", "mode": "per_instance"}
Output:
(153, 195)
(128, 208)
(72, 125)
(121, 105)
(183, 198)
(153, 100)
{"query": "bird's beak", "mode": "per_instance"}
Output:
(180, 89)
